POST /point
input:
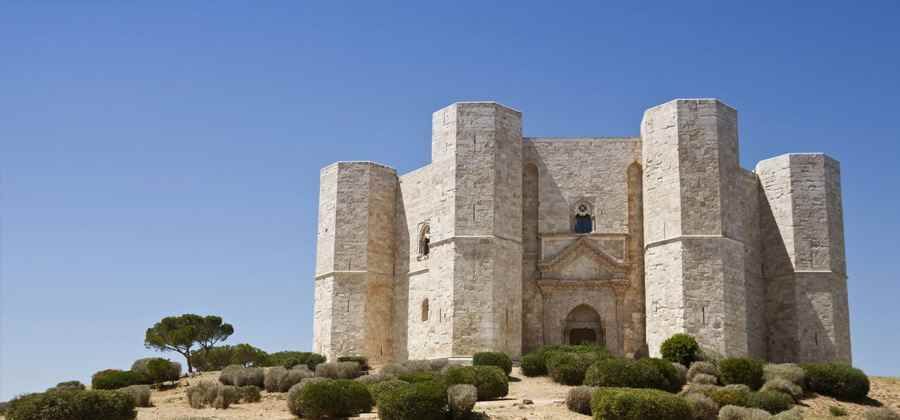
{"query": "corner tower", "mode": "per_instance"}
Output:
(355, 261)
(804, 266)
(478, 145)
(694, 258)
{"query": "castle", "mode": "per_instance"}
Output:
(507, 243)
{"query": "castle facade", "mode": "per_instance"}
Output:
(507, 243)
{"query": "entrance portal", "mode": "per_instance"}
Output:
(583, 326)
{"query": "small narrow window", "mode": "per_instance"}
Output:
(424, 240)
(425, 310)
(584, 221)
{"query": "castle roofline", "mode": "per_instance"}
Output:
(485, 102)
(359, 162)
(691, 100)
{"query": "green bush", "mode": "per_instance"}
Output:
(461, 400)
(488, 358)
(569, 368)
(673, 380)
(702, 407)
(76, 385)
(211, 394)
(72, 404)
(293, 395)
(214, 358)
(579, 399)
(339, 370)
(680, 348)
(249, 394)
(771, 401)
(626, 374)
(638, 404)
(289, 359)
(115, 379)
(424, 400)
(157, 370)
(836, 380)
(415, 377)
(491, 382)
(783, 386)
(787, 371)
(140, 394)
(837, 411)
(733, 412)
(533, 365)
(741, 370)
(380, 388)
(730, 396)
(333, 398)
(361, 360)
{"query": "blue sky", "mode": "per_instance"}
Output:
(163, 158)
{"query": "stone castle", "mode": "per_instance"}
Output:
(507, 243)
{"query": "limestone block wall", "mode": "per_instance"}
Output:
(355, 261)
(695, 281)
(804, 264)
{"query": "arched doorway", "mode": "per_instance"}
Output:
(584, 326)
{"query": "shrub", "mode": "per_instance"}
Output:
(784, 386)
(490, 381)
(881, 413)
(673, 380)
(293, 396)
(237, 375)
(460, 375)
(703, 368)
(694, 388)
(374, 378)
(249, 394)
(289, 359)
(741, 370)
(72, 404)
(680, 348)
(379, 388)
(394, 369)
(415, 377)
(681, 371)
(730, 396)
(638, 404)
(333, 399)
(157, 370)
(461, 400)
(710, 355)
(702, 407)
(771, 401)
(489, 358)
(579, 399)
(279, 379)
(425, 400)
(70, 385)
(837, 380)
(339, 370)
(272, 378)
(792, 414)
(787, 371)
(438, 364)
(533, 365)
(837, 411)
(115, 379)
(211, 394)
(732, 412)
(625, 373)
(140, 394)
(361, 360)
(704, 379)
(569, 368)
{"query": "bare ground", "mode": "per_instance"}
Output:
(546, 400)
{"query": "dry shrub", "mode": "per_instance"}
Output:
(139, 393)
(787, 371)
(732, 412)
(249, 394)
(272, 379)
(784, 386)
(702, 368)
(792, 414)
(461, 399)
(702, 407)
(339, 370)
(211, 394)
(242, 376)
(704, 379)
(579, 399)
(881, 413)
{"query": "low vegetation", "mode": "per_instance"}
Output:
(331, 398)
(681, 348)
(72, 404)
(638, 404)
(493, 358)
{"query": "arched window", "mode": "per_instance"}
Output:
(424, 240)
(584, 219)
(425, 310)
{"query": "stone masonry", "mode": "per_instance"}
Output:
(507, 243)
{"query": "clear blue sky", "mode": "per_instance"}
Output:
(164, 158)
